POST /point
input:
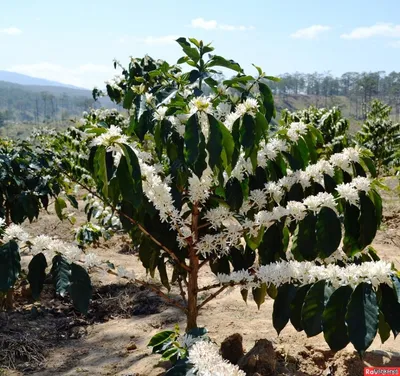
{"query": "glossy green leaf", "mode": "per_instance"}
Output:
(368, 221)
(313, 307)
(281, 310)
(304, 239)
(160, 338)
(383, 328)
(219, 61)
(60, 272)
(10, 265)
(296, 307)
(80, 288)
(333, 318)
(362, 317)
(328, 232)
(59, 205)
(259, 294)
(390, 308)
(37, 274)
(234, 193)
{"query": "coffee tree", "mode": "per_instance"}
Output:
(333, 127)
(200, 181)
(29, 178)
(381, 135)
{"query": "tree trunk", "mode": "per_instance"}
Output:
(193, 287)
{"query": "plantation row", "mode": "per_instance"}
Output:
(193, 173)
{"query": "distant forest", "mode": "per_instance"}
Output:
(41, 104)
(358, 88)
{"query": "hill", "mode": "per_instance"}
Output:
(22, 79)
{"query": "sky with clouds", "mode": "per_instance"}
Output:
(75, 41)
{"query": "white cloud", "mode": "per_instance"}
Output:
(87, 75)
(201, 23)
(387, 30)
(311, 32)
(11, 31)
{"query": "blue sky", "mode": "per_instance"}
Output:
(75, 41)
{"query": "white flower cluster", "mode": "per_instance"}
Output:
(296, 130)
(250, 106)
(42, 243)
(199, 189)
(303, 273)
(111, 136)
(350, 191)
(206, 361)
(115, 82)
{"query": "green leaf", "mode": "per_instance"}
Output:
(383, 328)
(396, 286)
(268, 101)
(73, 201)
(313, 307)
(328, 232)
(100, 169)
(130, 177)
(352, 230)
(59, 205)
(192, 139)
(37, 274)
(271, 247)
(333, 319)
(368, 221)
(80, 288)
(60, 272)
(188, 50)
(281, 310)
(304, 239)
(370, 165)
(377, 200)
(247, 133)
(215, 142)
(197, 332)
(181, 368)
(234, 194)
(170, 353)
(244, 293)
(259, 294)
(219, 61)
(362, 317)
(163, 273)
(10, 265)
(160, 338)
(296, 306)
(220, 265)
(390, 308)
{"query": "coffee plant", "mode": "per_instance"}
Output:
(29, 179)
(381, 135)
(329, 122)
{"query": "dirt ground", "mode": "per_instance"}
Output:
(112, 339)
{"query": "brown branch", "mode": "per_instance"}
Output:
(141, 228)
(212, 296)
(209, 287)
(203, 263)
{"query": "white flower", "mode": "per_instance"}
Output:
(187, 340)
(110, 137)
(73, 253)
(160, 112)
(2, 222)
(249, 106)
(124, 273)
(206, 361)
(296, 130)
(275, 191)
(257, 196)
(149, 98)
(361, 183)
(199, 189)
(223, 109)
(15, 232)
(314, 203)
(91, 260)
(348, 192)
(230, 119)
(297, 210)
(202, 104)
